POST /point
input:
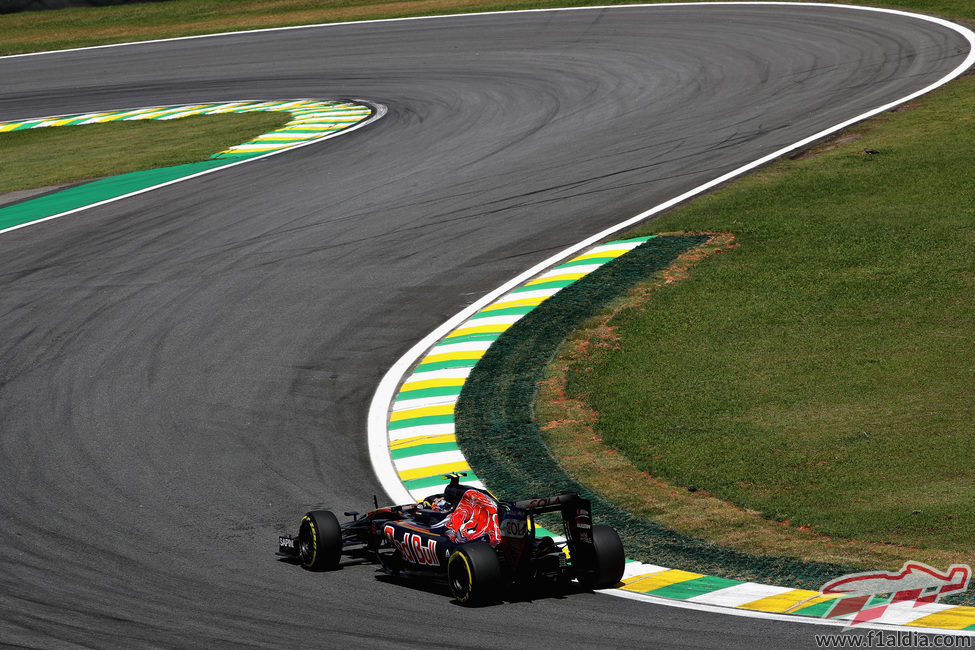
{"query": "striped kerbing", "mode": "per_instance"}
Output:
(421, 434)
(423, 447)
(311, 120)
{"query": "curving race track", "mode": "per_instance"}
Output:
(183, 373)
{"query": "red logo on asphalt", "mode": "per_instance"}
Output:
(915, 583)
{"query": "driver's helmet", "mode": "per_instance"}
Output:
(439, 505)
(436, 502)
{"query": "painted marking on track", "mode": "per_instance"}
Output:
(311, 121)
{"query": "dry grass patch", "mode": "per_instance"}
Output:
(569, 426)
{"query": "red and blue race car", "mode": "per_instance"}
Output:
(478, 545)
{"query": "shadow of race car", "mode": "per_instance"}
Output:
(479, 546)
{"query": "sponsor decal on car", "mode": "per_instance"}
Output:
(516, 528)
(473, 517)
(514, 531)
(414, 548)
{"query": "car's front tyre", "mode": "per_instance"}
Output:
(320, 541)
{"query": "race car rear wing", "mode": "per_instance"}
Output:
(517, 526)
(551, 504)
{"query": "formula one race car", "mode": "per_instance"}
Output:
(480, 546)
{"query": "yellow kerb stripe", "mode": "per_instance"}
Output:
(433, 470)
(432, 383)
(616, 252)
(451, 356)
(646, 584)
(782, 602)
(956, 618)
(557, 278)
(524, 302)
(480, 329)
(422, 440)
(443, 409)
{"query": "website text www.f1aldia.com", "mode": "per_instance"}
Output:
(893, 639)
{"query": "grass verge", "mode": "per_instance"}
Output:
(568, 426)
(497, 429)
(62, 155)
(822, 374)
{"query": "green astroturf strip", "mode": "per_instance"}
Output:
(696, 587)
(237, 155)
(427, 419)
(406, 452)
(429, 481)
(436, 391)
(507, 311)
(100, 190)
(450, 363)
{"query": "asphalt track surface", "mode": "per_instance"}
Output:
(185, 372)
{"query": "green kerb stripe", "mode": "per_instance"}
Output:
(406, 452)
(507, 311)
(696, 587)
(586, 262)
(554, 284)
(818, 610)
(436, 391)
(450, 363)
(426, 419)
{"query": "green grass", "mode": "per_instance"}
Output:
(60, 155)
(824, 371)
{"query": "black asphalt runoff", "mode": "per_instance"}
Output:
(185, 372)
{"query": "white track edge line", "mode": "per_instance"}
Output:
(386, 390)
(464, 15)
(383, 397)
(378, 111)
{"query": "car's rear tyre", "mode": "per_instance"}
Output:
(474, 574)
(320, 541)
(608, 559)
